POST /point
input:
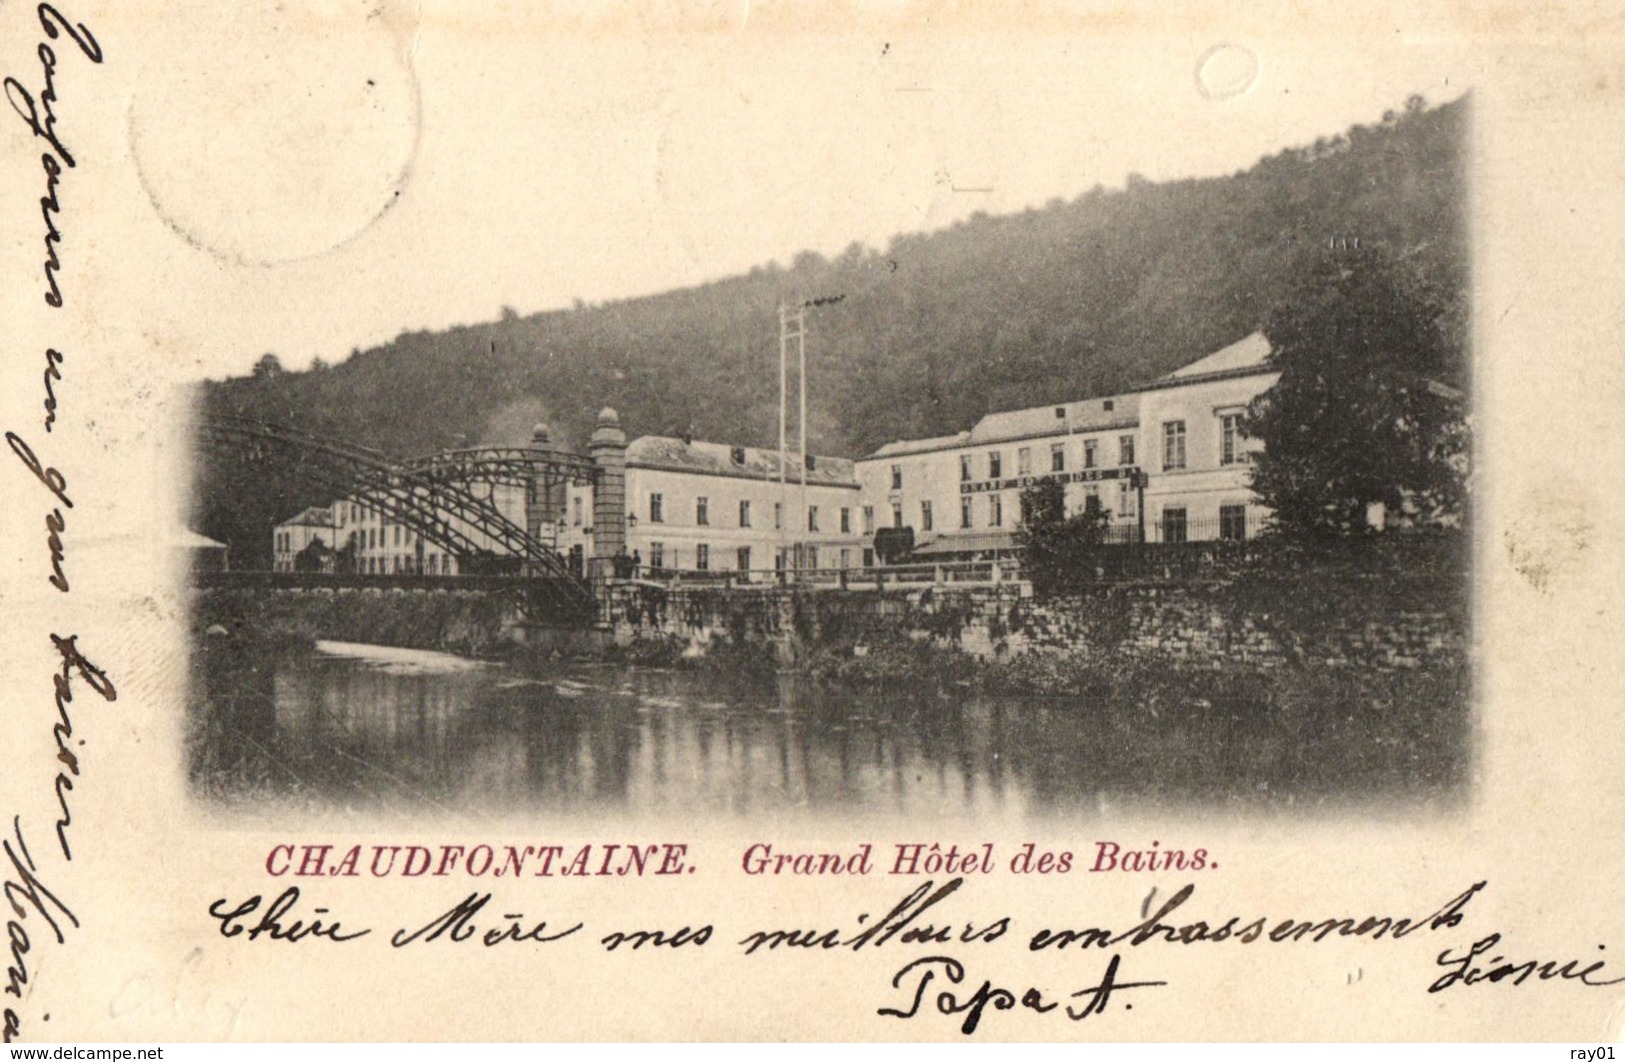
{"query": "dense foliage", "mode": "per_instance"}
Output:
(1371, 404)
(1058, 550)
(1082, 297)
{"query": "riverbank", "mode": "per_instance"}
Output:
(861, 729)
(468, 623)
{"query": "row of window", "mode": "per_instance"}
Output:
(1024, 460)
(1126, 506)
(1230, 451)
(1173, 453)
(1174, 525)
(659, 558)
(702, 514)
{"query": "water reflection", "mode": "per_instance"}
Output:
(362, 728)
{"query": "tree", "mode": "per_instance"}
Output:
(268, 365)
(1370, 405)
(1058, 550)
(314, 557)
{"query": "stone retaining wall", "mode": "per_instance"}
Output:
(1365, 622)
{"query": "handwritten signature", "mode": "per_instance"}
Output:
(950, 1002)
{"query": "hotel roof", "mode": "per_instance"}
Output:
(1061, 418)
(719, 459)
(920, 446)
(1107, 412)
(1245, 355)
(315, 516)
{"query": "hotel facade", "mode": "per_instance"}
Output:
(711, 508)
(1164, 463)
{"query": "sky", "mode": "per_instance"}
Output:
(322, 177)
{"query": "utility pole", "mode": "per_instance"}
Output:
(792, 328)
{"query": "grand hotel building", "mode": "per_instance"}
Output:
(1166, 462)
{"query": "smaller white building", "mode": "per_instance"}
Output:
(711, 509)
(312, 529)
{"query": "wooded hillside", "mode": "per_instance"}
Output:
(1083, 297)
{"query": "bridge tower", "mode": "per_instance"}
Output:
(546, 495)
(608, 450)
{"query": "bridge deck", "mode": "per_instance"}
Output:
(263, 580)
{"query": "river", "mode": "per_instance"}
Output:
(365, 728)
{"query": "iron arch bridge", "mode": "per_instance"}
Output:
(446, 498)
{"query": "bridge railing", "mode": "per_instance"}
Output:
(273, 580)
(879, 577)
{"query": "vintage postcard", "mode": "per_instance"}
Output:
(763, 521)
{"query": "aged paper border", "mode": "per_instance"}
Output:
(1543, 822)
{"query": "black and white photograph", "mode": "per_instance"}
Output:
(1132, 471)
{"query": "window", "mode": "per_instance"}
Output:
(1173, 525)
(702, 557)
(1233, 522)
(1173, 446)
(846, 521)
(812, 556)
(778, 515)
(868, 519)
(576, 510)
(1057, 457)
(964, 468)
(397, 534)
(995, 511)
(1125, 449)
(925, 516)
(846, 559)
(896, 477)
(1091, 450)
(964, 512)
(744, 513)
(1109, 405)
(1024, 461)
(434, 564)
(995, 465)
(744, 558)
(657, 555)
(1091, 499)
(1125, 498)
(868, 557)
(1230, 439)
(897, 514)
(812, 518)
(702, 512)
(657, 509)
